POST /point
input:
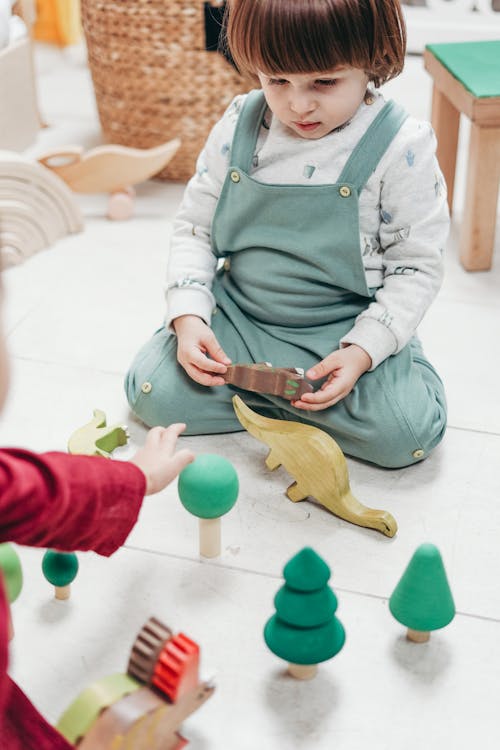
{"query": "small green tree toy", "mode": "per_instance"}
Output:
(422, 600)
(60, 569)
(304, 631)
(10, 565)
(208, 488)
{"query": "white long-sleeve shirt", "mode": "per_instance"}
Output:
(403, 219)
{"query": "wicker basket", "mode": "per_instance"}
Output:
(153, 77)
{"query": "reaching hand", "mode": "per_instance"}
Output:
(344, 367)
(194, 341)
(158, 460)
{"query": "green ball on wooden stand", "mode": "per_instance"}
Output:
(60, 569)
(208, 488)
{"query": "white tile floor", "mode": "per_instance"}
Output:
(76, 314)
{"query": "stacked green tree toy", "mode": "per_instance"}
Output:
(208, 488)
(422, 600)
(304, 631)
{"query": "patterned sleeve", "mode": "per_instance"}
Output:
(414, 224)
(191, 265)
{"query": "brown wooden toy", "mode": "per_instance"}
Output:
(262, 377)
(109, 169)
(317, 464)
(147, 648)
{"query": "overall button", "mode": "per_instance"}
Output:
(227, 264)
(146, 387)
(418, 453)
(345, 191)
(235, 176)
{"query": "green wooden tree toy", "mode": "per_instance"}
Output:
(304, 631)
(60, 569)
(10, 565)
(422, 600)
(208, 488)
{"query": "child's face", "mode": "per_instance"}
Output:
(314, 104)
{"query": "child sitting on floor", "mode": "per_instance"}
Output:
(327, 203)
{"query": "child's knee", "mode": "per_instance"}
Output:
(147, 380)
(411, 442)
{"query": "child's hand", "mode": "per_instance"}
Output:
(158, 460)
(345, 367)
(194, 340)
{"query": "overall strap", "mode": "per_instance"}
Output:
(247, 130)
(373, 145)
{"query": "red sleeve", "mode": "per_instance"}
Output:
(68, 502)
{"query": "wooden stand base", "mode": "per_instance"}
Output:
(417, 636)
(210, 537)
(62, 592)
(303, 671)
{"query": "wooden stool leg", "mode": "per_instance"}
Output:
(477, 234)
(446, 121)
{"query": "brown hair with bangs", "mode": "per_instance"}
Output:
(306, 36)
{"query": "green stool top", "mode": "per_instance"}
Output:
(475, 64)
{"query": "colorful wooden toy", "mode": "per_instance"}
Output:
(147, 648)
(60, 569)
(317, 464)
(304, 631)
(85, 709)
(120, 713)
(422, 600)
(96, 438)
(109, 169)
(36, 208)
(208, 488)
(287, 382)
(10, 566)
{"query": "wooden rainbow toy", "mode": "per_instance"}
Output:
(36, 208)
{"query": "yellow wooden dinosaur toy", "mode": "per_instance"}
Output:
(317, 464)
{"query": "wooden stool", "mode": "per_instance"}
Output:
(466, 78)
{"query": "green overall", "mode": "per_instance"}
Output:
(291, 286)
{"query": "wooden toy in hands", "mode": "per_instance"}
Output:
(109, 169)
(317, 464)
(208, 488)
(96, 438)
(304, 631)
(10, 567)
(60, 569)
(262, 377)
(422, 600)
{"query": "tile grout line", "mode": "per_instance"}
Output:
(273, 577)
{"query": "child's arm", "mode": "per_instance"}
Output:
(191, 262)
(82, 502)
(412, 235)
